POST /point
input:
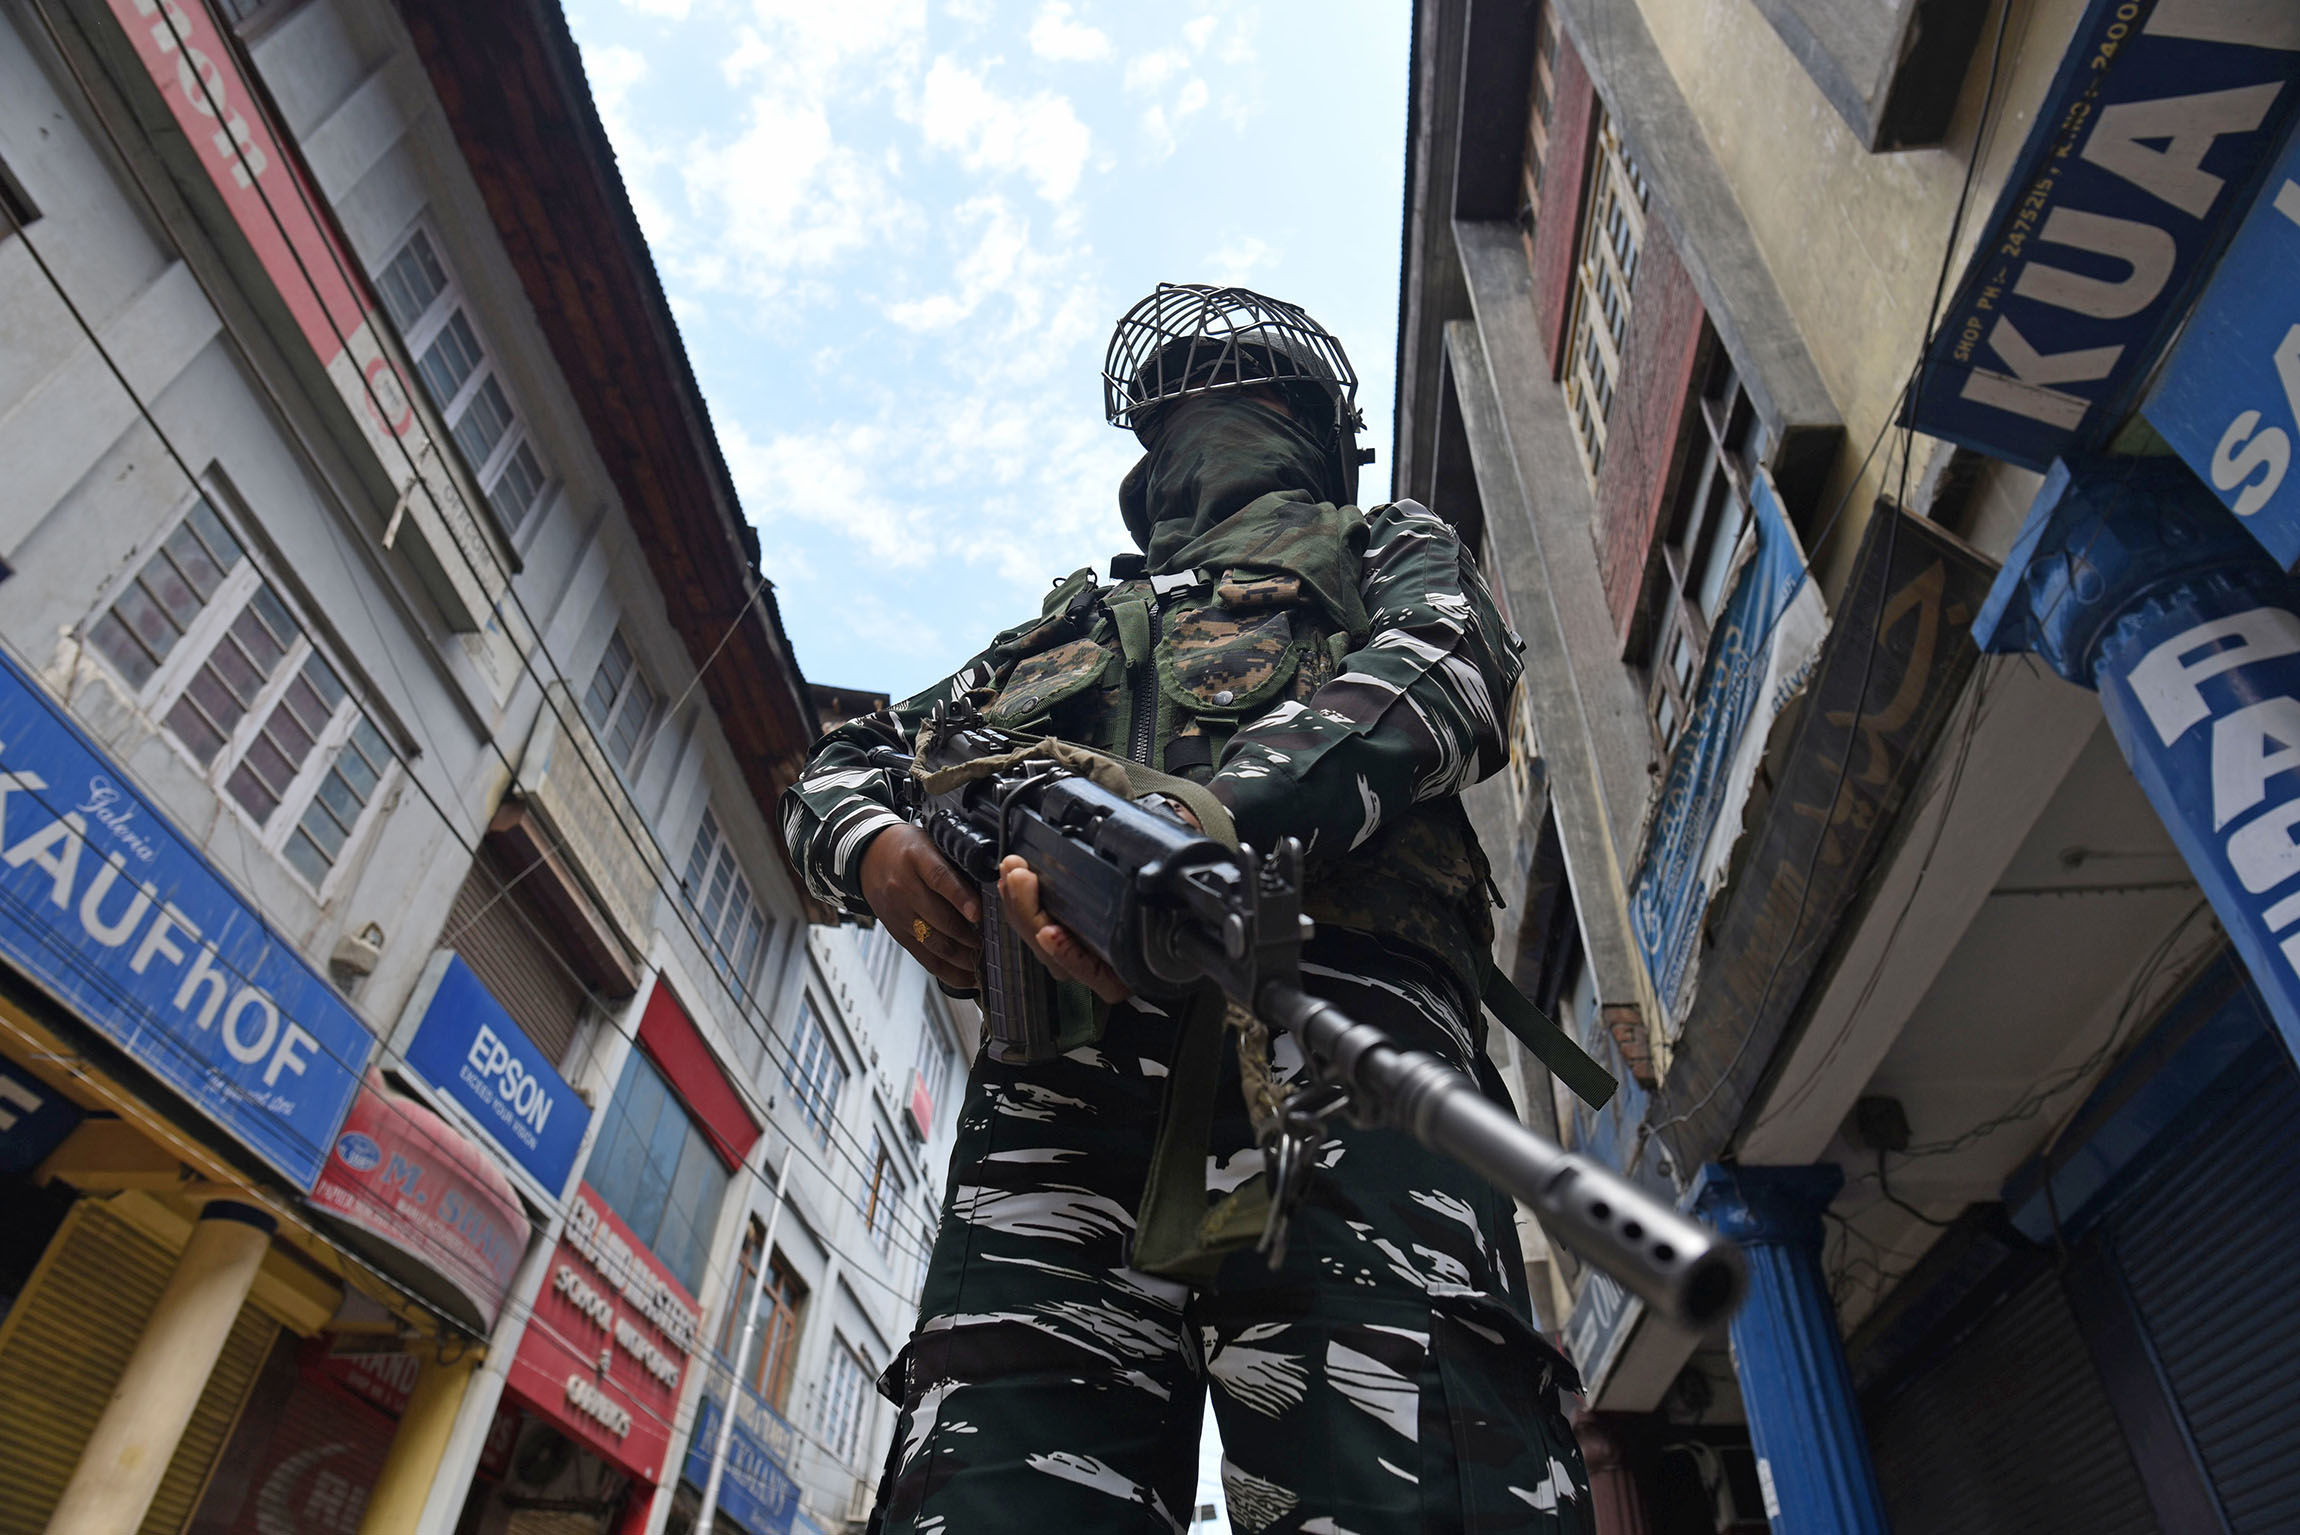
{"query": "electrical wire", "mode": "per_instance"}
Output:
(745, 1008)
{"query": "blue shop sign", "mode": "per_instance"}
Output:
(34, 1119)
(468, 1047)
(116, 915)
(2154, 132)
(755, 1492)
(2229, 397)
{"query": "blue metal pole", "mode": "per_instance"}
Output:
(1812, 1452)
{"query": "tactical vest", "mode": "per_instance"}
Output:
(1165, 670)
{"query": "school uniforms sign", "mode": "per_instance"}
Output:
(2144, 150)
(116, 915)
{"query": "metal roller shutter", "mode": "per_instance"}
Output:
(2010, 1433)
(2210, 1245)
(500, 935)
(62, 1350)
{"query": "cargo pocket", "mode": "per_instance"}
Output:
(1039, 683)
(1497, 1453)
(1216, 662)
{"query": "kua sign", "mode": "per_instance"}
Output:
(2144, 154)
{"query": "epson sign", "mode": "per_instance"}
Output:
(469, 1048)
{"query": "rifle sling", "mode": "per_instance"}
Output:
(1591, 1083)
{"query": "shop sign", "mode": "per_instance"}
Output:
(608, 1343)
(2153, 133)
(1883, 690)
(2229, 397)
(1603, 1317)
(402, 1174)
(755, 1491)
(34, 1119)
(1759, 654)
(468, 1047)
(269, 199)
(120, 918)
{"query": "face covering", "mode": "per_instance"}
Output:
(1211, 458)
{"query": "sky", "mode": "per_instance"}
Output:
(896, 235)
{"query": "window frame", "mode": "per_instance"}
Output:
(843, 1437)
(883, 1193)
(1713, 515)
(1541, 100)
(696, 1139)
(805, 1095)
(417, 337)
(1613, 216)
(773, 1361)
(173, 674)
(634, 677)
(739, 974)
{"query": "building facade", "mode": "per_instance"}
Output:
(410, 1032)
(1873, 420)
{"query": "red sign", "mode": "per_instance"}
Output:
(671, 1039)
(608, 1342)
(921, 1107)
(404, 1175)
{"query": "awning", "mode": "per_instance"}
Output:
(425, 1204)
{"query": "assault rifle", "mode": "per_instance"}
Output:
(1168, 907)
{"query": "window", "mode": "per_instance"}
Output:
(721, 899)
(620, 705)
(881, 956)
(844, 1395)
(654, 1167)
(214, 652)
(1611, 237)
(1706, 528)
(1537, 118)
(461, 379)
(882, 1195)
(774, 1343)
(813, 1073)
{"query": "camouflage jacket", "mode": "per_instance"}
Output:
(1330, 675)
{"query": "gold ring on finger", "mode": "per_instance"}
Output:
(918, 926)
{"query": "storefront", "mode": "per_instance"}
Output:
(603, 1365)
(2110, 1344)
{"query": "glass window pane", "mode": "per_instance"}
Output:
(147, 619)
(171, 590)
(304, 856)
(192, 728)
(123, 650)
(484, 421)
(448, 361)
(222, 548)
(325, 832)
(412, 281)
(254, 796)
(358, 777)
(517, 486)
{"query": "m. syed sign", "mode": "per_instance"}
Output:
(2152, 134)
(121, 920)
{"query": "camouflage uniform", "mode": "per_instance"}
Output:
(1349, 674)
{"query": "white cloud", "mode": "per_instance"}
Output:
(1237, 258)
(1040, 137)
(667, 10)
(1198, 29)
(1148, 71)
(1056, 37)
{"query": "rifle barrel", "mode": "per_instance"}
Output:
(1688, 1273)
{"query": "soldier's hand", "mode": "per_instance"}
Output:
(923, 901)
(1056, 947)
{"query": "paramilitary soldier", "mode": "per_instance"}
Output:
(1328, 674)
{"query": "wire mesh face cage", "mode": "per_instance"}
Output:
(1190, 339)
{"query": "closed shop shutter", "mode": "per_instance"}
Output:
(2010, 1433)
(2210, 1245)
(496, 928)
(63, 1348)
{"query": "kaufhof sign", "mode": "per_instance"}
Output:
(608, 1344)
(120, 918)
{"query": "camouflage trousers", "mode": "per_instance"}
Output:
(1385, 1379)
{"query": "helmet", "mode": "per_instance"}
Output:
(1189, 339)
